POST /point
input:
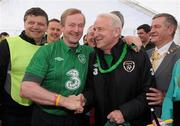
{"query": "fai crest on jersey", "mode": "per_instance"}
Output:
(82, 58)
(129, 66)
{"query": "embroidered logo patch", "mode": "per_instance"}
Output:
(58, 59)
(82, 58)
(129, 66)
(95, 70)
(74, 81)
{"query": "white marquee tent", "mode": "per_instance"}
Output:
(136, 12)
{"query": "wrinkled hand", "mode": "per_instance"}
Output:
(134, 40)
(72, 102)
(155, 97)
(116, 117)
(82, 101)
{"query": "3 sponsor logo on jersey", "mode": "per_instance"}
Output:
(74, 81)
(95, 70)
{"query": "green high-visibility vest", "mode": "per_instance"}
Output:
(21, 53)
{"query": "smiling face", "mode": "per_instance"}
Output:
(105, 33)
(35, 27)
(143, 35)
(161, 32)
(90, 37)
(53, 31)
(73, 29)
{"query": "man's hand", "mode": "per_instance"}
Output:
(82, 101)
(134, 40)
(155, 96)
(72, 102)
(116, 117)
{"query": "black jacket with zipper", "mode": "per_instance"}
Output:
(122, 89)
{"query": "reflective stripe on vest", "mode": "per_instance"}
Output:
(21, 53)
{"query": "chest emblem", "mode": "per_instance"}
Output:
(82, 58)
(95, 70)
(58, 59)
(129, 66)
(74, 81)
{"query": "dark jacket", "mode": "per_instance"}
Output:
(122, 89)
(150, 45)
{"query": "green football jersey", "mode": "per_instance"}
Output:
(63, 70)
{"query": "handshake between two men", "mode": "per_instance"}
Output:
(77, 104)
(73, 102)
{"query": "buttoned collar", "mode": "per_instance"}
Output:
(68, 49)
(164, 49)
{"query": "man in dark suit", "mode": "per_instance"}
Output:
(162, 33)
(143, 32)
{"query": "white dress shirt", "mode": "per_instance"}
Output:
(163, 52)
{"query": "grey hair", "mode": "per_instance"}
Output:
(169, 19)
(120, 15)
(116, 22)
(89, 29)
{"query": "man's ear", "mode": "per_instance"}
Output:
(62, 28)
(117, 32)
(170, 30)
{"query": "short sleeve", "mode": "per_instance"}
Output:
(39, 63)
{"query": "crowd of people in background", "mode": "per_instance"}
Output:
(48, 79)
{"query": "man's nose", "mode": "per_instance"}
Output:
(95, 34)
(76, 28)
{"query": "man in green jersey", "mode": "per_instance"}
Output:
(57, 71)
(56, 74)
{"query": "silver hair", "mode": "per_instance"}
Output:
(89, 29)
(116, 22)
(120, 15)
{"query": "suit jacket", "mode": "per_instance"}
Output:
(164, 71)
(150, 45)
